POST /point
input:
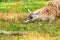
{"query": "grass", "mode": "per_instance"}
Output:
(20, 6)
(37, 29)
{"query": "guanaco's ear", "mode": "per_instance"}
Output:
(36, 13)
(29, 11)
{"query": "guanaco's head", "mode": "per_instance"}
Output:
(31, 16)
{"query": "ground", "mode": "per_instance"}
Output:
(37, 30)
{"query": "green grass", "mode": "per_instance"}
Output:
(19, 0)
(53, 29)
(42, 27)
(21, 6)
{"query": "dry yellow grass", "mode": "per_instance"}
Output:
(30, 36)
(10, 16)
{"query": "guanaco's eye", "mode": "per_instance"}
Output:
(31, 17)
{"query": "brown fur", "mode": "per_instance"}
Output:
(52, 9)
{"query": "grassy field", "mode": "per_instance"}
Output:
(38, 30)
